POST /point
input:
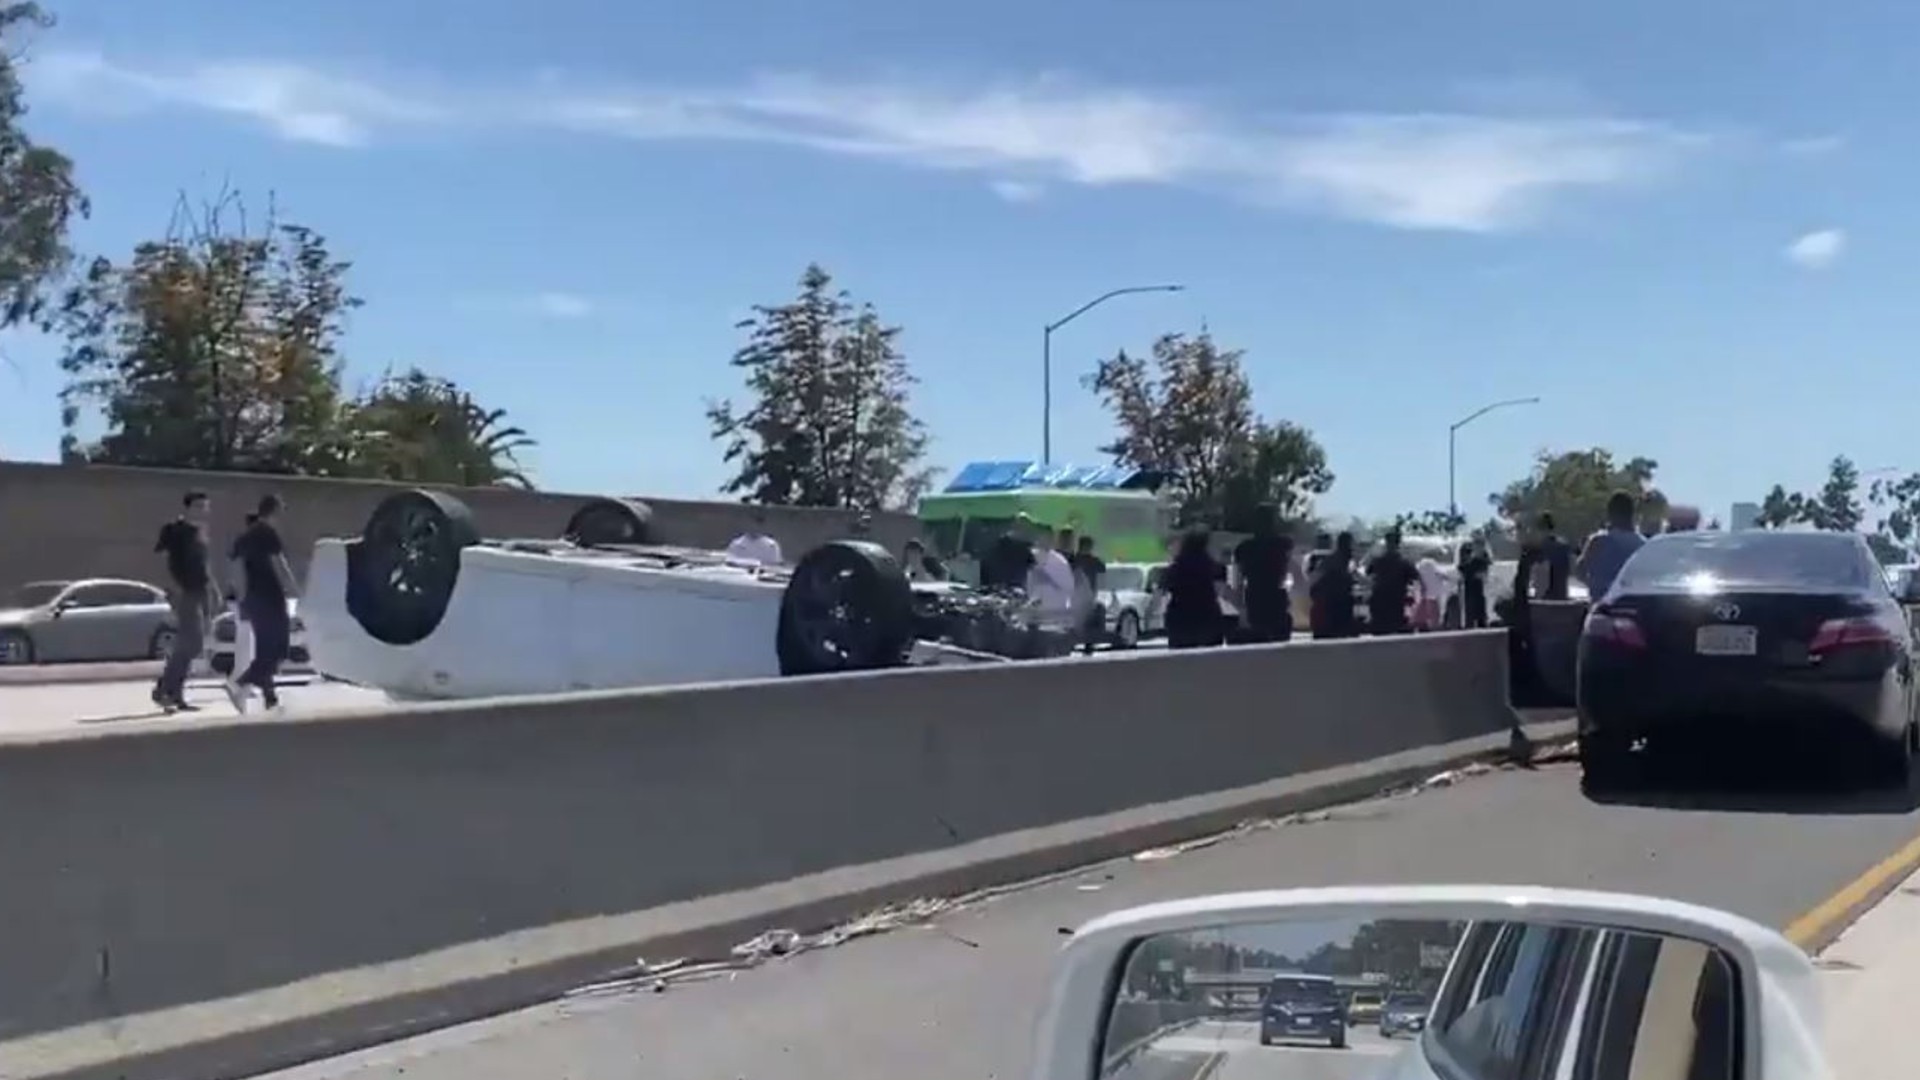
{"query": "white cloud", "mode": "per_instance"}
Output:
(1817, 250)
(1017, 191)
(296, 103)
(561, 305)
(1477, 172)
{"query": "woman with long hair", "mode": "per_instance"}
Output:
(1192, 583)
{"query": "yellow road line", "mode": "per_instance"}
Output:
(1818, 927)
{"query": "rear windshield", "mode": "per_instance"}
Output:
(1407, 1001)
(1750, 558)
(1299, 989)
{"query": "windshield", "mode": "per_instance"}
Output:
(1755, 559)
(1300, 990)
(37, 594)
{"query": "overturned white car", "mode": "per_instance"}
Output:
(420, 606)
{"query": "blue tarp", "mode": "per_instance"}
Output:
(1034, 475)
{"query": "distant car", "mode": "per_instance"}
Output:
(1303, 1007)
(1764, 638)
(88, 620)
(1132, 612)
(1364, 1007)
(1404, 1013)
(223, 642)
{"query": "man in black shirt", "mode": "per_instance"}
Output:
(1557, 554)
(190, 593)
(1088, 569)
(1011, 556)
(1263, 563)
(1391, 577)
(268, 585)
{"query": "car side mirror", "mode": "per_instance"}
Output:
(64, 605)
(1264, 976)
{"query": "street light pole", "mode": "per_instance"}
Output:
(1453, 432)
(1046, 357)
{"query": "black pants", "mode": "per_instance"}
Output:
(1473, 608)
(272, 634)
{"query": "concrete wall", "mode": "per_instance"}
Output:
(66, 521)
(205, 861)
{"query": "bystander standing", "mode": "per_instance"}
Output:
(190, 594)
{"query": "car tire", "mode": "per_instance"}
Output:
(1340, 1042)
(848, 607)
(604, 521)
(161, 643)
(402, 570)
(16, 648)
(1606, 762)
(1126, 630)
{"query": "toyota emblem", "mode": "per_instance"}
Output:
(1726, 612)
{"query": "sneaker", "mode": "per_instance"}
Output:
(237, 694)
(183, 705)
(165, 703)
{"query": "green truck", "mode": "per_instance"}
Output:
(1115, 505)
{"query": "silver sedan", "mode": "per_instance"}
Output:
(90, 620)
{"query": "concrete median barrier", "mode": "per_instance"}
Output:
(209, 899)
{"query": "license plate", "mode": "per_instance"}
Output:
(1303, 1021)
(1726, 641)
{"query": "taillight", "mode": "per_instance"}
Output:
(1849, 633)
(1615, 630)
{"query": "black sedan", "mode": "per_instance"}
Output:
(1790, 637)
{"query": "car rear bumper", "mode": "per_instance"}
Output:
(1635, 699)
(1279, 1028)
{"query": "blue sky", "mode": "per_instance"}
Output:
(1691, 233)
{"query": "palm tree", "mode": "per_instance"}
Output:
(420, 428)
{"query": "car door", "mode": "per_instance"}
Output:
(81, 626)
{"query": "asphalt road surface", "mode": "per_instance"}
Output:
(956, 999)
(121, 706)
(1232, 1051)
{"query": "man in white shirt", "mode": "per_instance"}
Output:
(1433, 591)
(755, 545)
(1050, 582)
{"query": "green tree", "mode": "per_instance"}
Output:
(38, 194)
(1431, 523)
(1187, 411)
(214, 348)
(1836, 507)
(830, 422)
(419, 428)
(1574, 487)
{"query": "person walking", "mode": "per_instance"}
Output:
(1330, 608)
(1390, 578)
(1557, 556)
(1088, 570)
(1474, 565)
(190, 595)
(1609, 549)
(1263, 565)
(267, 585)
(1192, 583)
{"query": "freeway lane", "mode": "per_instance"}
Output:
(1231, 1050)
(955, 1000)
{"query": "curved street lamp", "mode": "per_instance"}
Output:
(1046, 357)
(1453, 431)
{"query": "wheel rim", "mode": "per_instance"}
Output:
(162, 643)
(13, 650)
(414, 562)
(829, 622)
(1129, 628)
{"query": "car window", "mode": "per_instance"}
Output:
(1663, 1008)
(92, 596)
(129, 594)
(1125, 578)
(1755, 558)
(1505, 1020)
